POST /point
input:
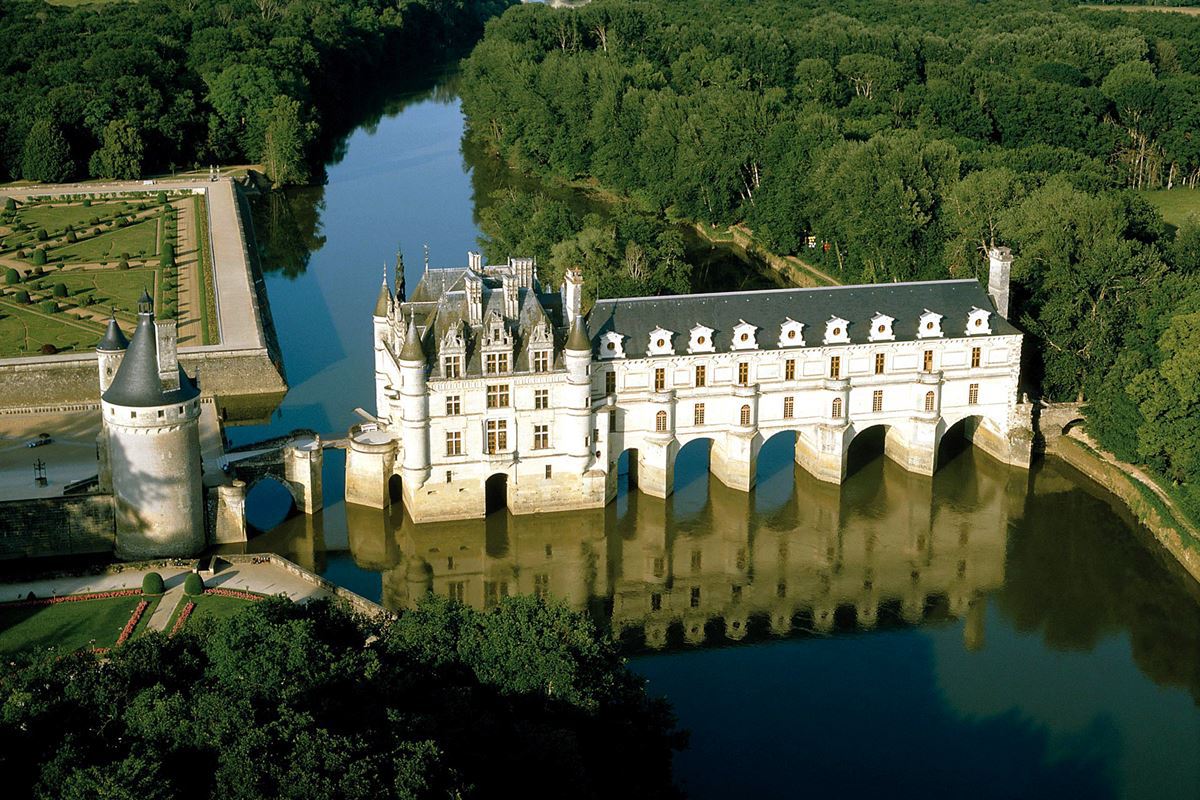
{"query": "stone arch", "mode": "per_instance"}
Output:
(495, 492)
(870, 446)
(266, 507)
(696, 452)
(979, 430)
(779, 447)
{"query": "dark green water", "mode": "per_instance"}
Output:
(986, 633)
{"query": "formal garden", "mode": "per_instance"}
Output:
(68, 262)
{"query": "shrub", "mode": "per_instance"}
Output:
(123, 264)
(161, 197)
(39, 258)
(41, 235)
(60, 290)
(10, 204)
(87, 202)
(48, 307)
(11, 276)
(49, 349)
(71, 237)
(22, 297)
(193, 584)
(153, 583)
(21, 254)
(93, 220)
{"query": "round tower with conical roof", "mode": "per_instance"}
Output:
(151, 436)
(414, 406)
(109, 352)
(577, 416)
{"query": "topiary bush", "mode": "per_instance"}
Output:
(60, 290)
(87, 202)
(11, 276)
(39, 257)
(49, 349)
(22, 297)
(193, 584)
(123, 264)
(10, 204)
(41, 235)
(48, 307)
(153, 583)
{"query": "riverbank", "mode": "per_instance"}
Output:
(1144, 498)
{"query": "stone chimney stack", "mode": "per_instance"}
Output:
(572, 294)
(474, 261)
(168, 356)
(999, 272)
(474, 298)
(512, 294)
(525, 270)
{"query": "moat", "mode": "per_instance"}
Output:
(803, 632)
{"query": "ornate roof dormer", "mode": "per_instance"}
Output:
(700, 340)
(881, 328)
(660, 342)
(837, 331)
(978, 321)
(495, 332)
(611, 345)
(929, 325)
(791, 333)
(745, 336)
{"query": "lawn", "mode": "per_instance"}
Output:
(208, 606)
(67, 626)
(139, 240)
(23, 331)
(58, 217)
(109, 287)
(1175, 204)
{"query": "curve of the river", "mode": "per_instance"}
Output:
(986, 633)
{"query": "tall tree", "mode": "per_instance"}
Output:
(47, 156)
(121, 155)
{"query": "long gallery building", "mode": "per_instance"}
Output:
(489, 386)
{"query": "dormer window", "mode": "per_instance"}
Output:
(745, 336)
(837, 331)
(660, 343)
(881, 328)
(495, 364)
(929, 326)
(978, 322)
(791, 333)
(611, 345)
(700, 340)
(541, 360)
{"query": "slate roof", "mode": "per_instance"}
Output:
(636, 317)
(114, 339)
(136, 383)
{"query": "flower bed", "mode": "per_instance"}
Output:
(240, 595)
(127, 631)
(182, 618)
(70, 598)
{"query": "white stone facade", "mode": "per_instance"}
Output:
(464, 400)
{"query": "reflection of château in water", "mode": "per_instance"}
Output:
(823, 556)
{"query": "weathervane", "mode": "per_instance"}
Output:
(427, 256)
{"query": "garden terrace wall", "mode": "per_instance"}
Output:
(56, 527)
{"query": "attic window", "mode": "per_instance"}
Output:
(791, 334)
(928, 326)
(978, 322)
(881, 328)
(837, 331)
(661, 343)
(611, 346)
(700, 339)
(745, 336)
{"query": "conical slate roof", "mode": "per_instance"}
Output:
(578, 340)
(114, 340)
(412, 350)
(137, 383)
(381, 302)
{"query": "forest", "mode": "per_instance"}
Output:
(905, 139)
(121, 90)
(288, 701)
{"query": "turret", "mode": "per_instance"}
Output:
(414, 407)
(381, 323)
(999, 271)
(109, 352)
(577, 416)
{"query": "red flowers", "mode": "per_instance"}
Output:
(182, 618)
(234, 593)
(133, 621)
(71, 598)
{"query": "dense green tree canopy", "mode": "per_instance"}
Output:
(285, 701)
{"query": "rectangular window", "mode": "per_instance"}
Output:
(541, 437)
(976, 356)
(701, 375)
(541, 585)
(655, 601)
(497, 395)
(541, 361)
(835, 367)
(612, 420)
(695, 597)
(698, 414)
(454, 443)
(453, 405)
(879, 363)
(610, 382)
(496, 363)
(973, 393)
(658, 567)
(497, 435)
(696, 560)
(789, 407)
(789, 369)
(549, 472)
(452, 366)
(449, 476)
(456, 591)
(877, 401)
(492, 592)
(835, 410)
(541, 399)
(660, 379)
(928, 362)
(161, 413)
(743, 373)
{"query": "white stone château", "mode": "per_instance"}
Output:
(484, 380)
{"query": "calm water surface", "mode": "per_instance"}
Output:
(989, 632)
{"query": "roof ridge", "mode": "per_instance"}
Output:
(794, 289)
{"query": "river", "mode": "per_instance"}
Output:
(989, 632)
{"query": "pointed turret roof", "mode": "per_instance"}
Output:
(412, 350)
(381, 302)
(114, 340)
(137, 382)
(578, 340)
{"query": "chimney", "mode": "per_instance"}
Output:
(168, 357)
(474, 261)
(526, 271)
(999, 271)
(512, 305)
(572, 294)
(474, 299)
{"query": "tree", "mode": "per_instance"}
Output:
(46, 156)
(1168, 397)
(285, 143)
(11, 276)
(39, 257)
(121, 155)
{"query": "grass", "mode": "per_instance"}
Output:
(23, 331)
(109, 287)
(66, 626)
(1175, 204)
(139, 240)
(208, 303)
(208, 606)
(58, 217)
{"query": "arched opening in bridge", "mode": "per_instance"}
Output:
(1072, 425)
(496, 493)
(268, 503)
(627, 471)
(394, 488)
(956, 440)
(776, 472)
(866, 448)
(691, 476)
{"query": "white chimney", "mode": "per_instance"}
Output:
(474, 261)
(474, 299)
(572, 294)
(999, 272)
